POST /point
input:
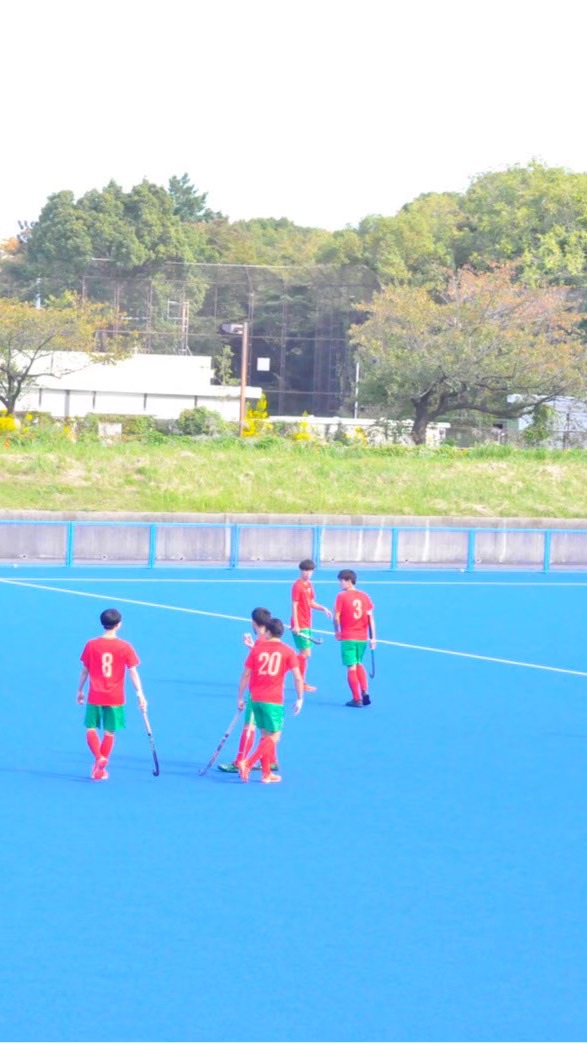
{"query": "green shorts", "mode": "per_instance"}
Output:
(268, 716)
(249, 715)
(302, 640)
(110, 718)
(352, 652)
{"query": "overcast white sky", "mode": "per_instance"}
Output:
(321, 112)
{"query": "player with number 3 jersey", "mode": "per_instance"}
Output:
(264, 674)
(105, 661)
(353, 625)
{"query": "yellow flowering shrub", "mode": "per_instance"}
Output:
(257, 420)
(7, 423)
(301, 432)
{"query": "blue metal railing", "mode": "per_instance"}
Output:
(234, 544)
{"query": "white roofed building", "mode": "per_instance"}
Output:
(160, 386)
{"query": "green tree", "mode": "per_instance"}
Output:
(416, 245)
(267, 241)
(536, 215)
(487, 344)
(133, 232)
(29, 336)
(189, 204)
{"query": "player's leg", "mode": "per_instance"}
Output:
(349, 655)
(304, 650)
(362, 675)
(257, 754)
(269, 720)
(273, 718)
(92, 722)
(247, 739)
(269, 756)
(114, 720)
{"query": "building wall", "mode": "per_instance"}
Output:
(142, 385)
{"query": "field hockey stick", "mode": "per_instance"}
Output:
(314, 640)
(151, 742)
(372, 669)
(203, 771)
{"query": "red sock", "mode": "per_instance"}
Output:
(246, 743)
(303, 664)
(93, 740)
(362, 677)
(257, 755)
(354, 683)
(107, 744)
(268, 755)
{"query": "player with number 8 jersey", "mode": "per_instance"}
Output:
(105, 661)
(264, 673)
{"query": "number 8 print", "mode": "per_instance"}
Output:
(107, 664)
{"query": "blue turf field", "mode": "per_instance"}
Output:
(419, 874)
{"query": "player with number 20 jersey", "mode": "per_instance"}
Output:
(264, 673)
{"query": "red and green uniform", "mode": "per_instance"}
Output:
(302, 594)
(352, 608)
(249, 715)
(269, 662)
(106, 659)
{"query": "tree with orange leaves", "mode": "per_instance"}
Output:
(29, 336)
(485, 343)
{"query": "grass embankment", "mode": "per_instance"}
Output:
(286, 478)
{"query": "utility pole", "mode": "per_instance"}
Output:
(233, 329)
(244, 370)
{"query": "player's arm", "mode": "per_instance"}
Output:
(322, 608)
(82, 680)
(299, 684)
(372, 637)
(295, 626)
(133, 673)
(242, 687)
(337, 623)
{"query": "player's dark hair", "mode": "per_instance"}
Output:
(109, 618)
(348, 574)
(307, 564)
(275, 627)
(261, 616)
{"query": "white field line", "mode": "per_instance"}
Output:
(327, 633)
(123, 601)
(537, 584)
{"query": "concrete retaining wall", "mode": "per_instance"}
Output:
(282, 540)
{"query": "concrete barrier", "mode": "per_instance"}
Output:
(144, 540)
(113, 543)
(30, 541)
(193, 544)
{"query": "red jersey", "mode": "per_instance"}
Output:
(106, 660)
(303, 593)
(269, 661)
(351, 608)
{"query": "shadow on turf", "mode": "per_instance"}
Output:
(187, 682)
(567, 735)
(70, 776)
